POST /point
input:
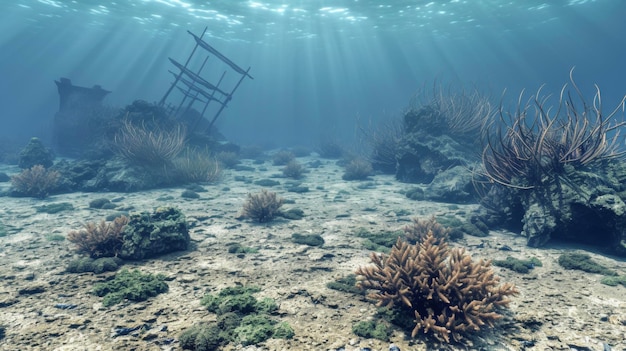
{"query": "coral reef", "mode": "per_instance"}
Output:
(36, 181)
(446, 292)
(262, 207)
(102, 239)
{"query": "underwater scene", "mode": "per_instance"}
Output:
(346, 175)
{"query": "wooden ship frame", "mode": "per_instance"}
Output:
(196, 90)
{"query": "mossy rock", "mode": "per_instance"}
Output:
(614, 280)
(233, 299)
(372, 329)
(307, 239)
(189, 194)
(148, 235)
(583, 262)
(131, 285)
(55, 237)
(254, 329)
(201, 337)
(283, 331)
(55, 207)
(380, 242)
(293, 214)
(97, 266)
(35, 153)
(101, 203)
(346, 284)
(267, 183)
(517, 265)
(227, 323)
(237, 248)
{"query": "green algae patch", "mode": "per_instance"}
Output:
(379, 242)
(97, 266)
(241, 318)
(346, 284)
(583, 262)
(372, 329)
(131, 285)
(614, 280)
(517, 265)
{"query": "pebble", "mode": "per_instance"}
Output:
(124, 331)
(65, 306)
(393, 347)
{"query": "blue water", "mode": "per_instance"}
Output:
(318, 65)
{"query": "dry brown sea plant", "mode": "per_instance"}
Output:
(102, 239)
(262, 207)
(36, 181)
(447, 293)
(533, 144)
(197, 166)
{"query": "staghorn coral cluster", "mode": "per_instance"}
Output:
(102, 239)
(446, 293)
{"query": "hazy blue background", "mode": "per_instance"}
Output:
(318, 65)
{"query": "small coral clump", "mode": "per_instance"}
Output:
(357, 169)
(441, 288)
(262, 207)
(102, 239)
(418, 229)
(283, 157)
(293, 169)
(36, 181)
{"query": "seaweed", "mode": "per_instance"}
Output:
(583, 262)
(380, 242)
(372, 329)
(517, 265)
(614, 280)
(131, 285)
(346, 284)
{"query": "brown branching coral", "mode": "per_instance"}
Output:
(418, 229)
(447, 293)
(262, 207)
(36, 181)
(102, 239)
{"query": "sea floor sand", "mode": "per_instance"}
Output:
(556, 309)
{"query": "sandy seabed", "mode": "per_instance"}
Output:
(556, 309)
